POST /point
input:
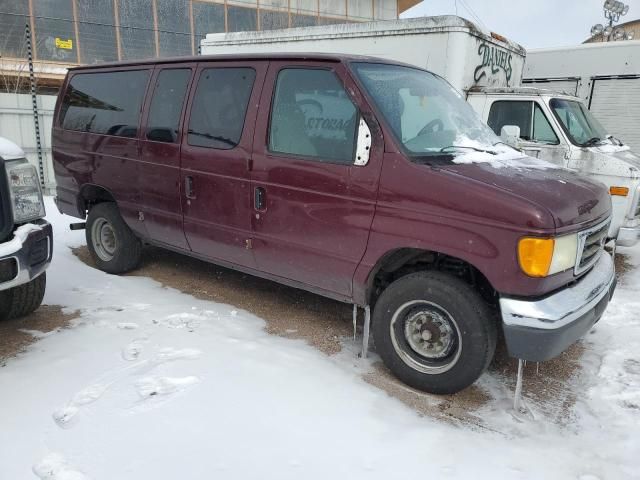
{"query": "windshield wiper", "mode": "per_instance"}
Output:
(591, 142)
(444, 149)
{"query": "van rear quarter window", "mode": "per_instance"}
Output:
(107, 103)
(219, 107)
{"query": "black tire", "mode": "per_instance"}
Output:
(114, 247)
(434, 332)
(23, 299)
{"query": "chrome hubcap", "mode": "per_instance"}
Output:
(104, 239)
(426, 337)
(429, 334)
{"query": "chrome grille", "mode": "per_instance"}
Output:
(590, 246)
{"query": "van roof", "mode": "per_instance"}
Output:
(325, 57)
(534, 91)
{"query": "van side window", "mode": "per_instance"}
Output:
(312, 116)
(108, 103)
(166, 106)
(219, 107)
(534, 126)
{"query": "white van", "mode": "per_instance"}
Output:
(559, 128)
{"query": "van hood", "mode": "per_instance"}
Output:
(570, 199)
(610, 160)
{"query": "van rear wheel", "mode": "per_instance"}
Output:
(434, 332)
(114, 247)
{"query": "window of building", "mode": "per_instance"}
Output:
(359, 10)
(303, 21)
(220, 106)
(107, 103)
(312, 116)
(333, 7)
(207, 18)
(174, 44)
(54, 20)
(282, 5)
(240, 19)
(137, 39)
(166, 105)
(97, 32)
(385, 10)
(14, 17)
(304, 7)
(527, 115)
(174, 27)
(271, 20)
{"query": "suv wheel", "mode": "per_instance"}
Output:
(112, 244)
(23, 299)
(434, 332)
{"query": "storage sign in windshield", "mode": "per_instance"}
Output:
(493, 60)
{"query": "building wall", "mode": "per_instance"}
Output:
(17, 125)
(93, 31)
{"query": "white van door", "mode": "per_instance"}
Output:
(616, 103)
(538, 138)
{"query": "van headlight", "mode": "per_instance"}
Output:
(541, 257)
(24, 191)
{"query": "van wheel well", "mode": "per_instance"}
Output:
(405, 261)
(91, 195)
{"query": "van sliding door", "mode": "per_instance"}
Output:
(216, 155)
(160, 154)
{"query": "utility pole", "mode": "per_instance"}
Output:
(34, 100)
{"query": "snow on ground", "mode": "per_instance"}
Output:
(149, 383)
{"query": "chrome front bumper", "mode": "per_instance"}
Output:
(538, 330)
(30, 260)
(628, 236)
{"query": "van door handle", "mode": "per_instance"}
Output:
(259, 198)
(188, 188)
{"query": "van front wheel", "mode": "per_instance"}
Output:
(434, 332)
(113, 246)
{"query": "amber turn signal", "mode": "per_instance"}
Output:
(535, 255)
(619, 191)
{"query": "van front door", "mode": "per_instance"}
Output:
(537, 135)
(312, 207)
(216, 154)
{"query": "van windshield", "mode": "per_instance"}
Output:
(425, 113)
(578, 123)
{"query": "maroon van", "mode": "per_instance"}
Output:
(360, 179)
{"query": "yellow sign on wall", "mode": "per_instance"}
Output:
(65, 44)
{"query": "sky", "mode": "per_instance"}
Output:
(537, 24)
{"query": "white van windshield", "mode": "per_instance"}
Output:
(425, 113)
(579, 124)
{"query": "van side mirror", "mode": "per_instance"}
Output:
(363, 145)
(510, 134)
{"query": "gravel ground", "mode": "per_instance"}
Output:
(17, 334)
(324, 324)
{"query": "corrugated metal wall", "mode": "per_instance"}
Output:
(616, 103)
(16, 124)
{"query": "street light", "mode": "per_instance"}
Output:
(613, 10)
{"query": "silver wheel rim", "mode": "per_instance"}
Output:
(103, 239)
(426, 337)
